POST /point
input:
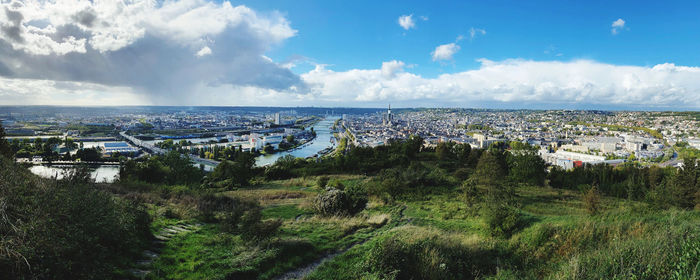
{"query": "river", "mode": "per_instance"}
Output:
(321, 142)
(107, 173)
(102, 173)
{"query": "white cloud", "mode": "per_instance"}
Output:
(445, 52)
(407, 22)
(113, 25)
(473, 32)
(516, 82)
(149, 46)
(204, 51)
(196, 52)
(47, 92)
(617, 26)
(391, 68)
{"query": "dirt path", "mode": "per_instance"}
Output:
(302, 272)
(142, 267)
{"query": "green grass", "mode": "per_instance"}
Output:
(211, 253)
(446, 212)
(284, 212)
(557, 240)
(629, 240)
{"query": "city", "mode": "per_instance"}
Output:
(344, 140)
(565, 137)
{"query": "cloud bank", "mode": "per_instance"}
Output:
(197, 52)
(517, 81)
(162, 50)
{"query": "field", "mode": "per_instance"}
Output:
(555, 239)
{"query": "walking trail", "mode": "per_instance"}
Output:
(303, 271)
(142, 267)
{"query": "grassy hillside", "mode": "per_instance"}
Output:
(400, 211)
(439, 237)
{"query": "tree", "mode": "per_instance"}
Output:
(413, 146)
(500, 215)
(181, 169)
(89, 154)
(591, 200)
(268, 149)
(167, 144)
(685, 184)
(70, 144)
(444, 150)
(526, 167)
(234, 173)
(489, 171)
(5, 149)
(462, 152)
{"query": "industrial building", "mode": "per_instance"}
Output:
(109, 148)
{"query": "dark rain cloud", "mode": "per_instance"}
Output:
(157, 67)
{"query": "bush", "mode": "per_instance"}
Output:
(462, 173)
(413, 182)
(502, 220)
(471, 194)
(322, 181)
(276, 172)
(335, 202)
(357, 196)
(331, 203)
(65, 229)
(236, 215)
(591, 200)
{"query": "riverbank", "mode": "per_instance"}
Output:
(100, 173)
(322, 141)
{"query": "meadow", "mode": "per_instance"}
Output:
(399, 211)
(439, 237)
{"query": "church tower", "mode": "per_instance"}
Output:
(391, 118)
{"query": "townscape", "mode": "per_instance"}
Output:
(565, 137)
(349, 140)
(337, 193)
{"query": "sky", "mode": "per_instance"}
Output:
(619, 55)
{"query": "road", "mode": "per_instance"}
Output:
(158, 151)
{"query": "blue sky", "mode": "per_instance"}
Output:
(362, 34)
(506, 54)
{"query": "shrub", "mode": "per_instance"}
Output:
(462, 173)
(501, 219)
(336, 184)
(331, 203)
(335, 202)
(413, 182)
(276, 172)
(64, 229)
(471, 193)
(591, 200)
(236, 215)
(357, 198)
(322, 181)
